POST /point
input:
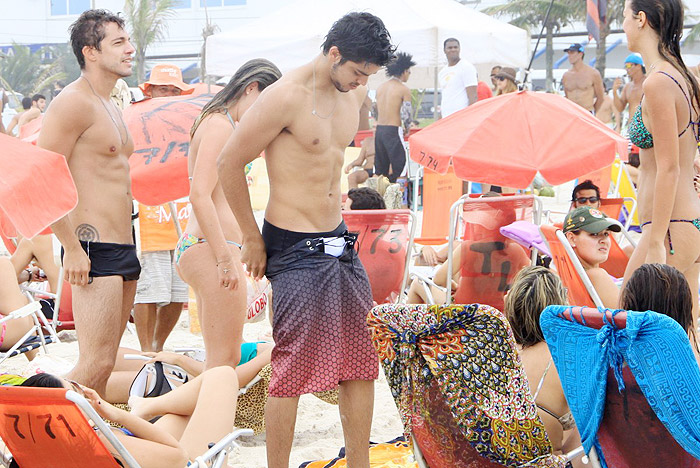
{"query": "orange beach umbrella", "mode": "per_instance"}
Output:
(160, 128)
(505, 140)
(36, 187)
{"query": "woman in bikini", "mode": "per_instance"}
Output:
(208, 254)
(535, 288)
(665, 128)
(189, 418)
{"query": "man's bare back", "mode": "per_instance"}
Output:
(390, 97)
(582, 85)
(26, 117)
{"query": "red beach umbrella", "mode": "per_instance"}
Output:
(507, 139)
(160, 128)
(36, 187)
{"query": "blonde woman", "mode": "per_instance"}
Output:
(208, 255)
(505, 81)
(535, 288)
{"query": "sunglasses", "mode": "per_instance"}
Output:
(583, 200)
(501, 78)
(630, 65)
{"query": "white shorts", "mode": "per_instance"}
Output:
(159, 283)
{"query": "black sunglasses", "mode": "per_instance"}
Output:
(583, 200)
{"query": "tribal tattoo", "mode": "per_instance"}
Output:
(88, 233)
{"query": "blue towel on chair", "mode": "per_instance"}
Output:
(658, 353)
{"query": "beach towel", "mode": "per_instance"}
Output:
(658, 353)
(393, 454)
(458, 382)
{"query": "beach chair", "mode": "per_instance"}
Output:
(488, 261)
(631, 380)
(580, 289)
(384, 245)
(34, 337)
(49, 427)
(459, 386)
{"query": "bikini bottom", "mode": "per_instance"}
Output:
(695, 222)
(188, 240)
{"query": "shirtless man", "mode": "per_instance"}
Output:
(365, 160)
(321, 292)
(582, 83)
(26, 105)
(100, 258)
(631, 92)
(394, 113)
(608, 113)
(38, 106)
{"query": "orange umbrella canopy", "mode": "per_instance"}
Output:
(160, 128)
(36, 187)
(505, 140)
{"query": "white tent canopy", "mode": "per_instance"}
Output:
(292, 35)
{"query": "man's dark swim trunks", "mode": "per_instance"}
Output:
(108, 259)
(389, 152)
(320, 300)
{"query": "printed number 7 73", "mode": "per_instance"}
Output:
(394, 239)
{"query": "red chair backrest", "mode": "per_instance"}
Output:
(612, 207)
(41, 428)
(631, 433)
(361, 135)
(488, 260)
(381, 244)
(617, 261)
(578, 294)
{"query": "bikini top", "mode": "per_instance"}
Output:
(640, 136)
(567, 419)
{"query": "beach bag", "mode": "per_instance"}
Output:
(157, 378)
(258, 297)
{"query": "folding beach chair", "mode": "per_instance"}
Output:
(384, 245)
(631, 380)
(459, 385)
(47, 428)
(488, 261)
(34, 337)
(617, 258)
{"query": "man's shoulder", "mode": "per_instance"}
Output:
(285, 91)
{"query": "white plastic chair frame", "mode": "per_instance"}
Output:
(55, 322)
(455, 210)
(32, 309)
(214, 457)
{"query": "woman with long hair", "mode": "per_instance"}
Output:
(663, 289)
(665, 129)
(505, 81)
(533, 289)
(208, 254)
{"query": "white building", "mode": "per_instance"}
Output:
(39, 22)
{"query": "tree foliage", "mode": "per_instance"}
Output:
(28, 72)
(147, 20)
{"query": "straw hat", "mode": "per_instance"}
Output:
(507, 73)
(166, 74)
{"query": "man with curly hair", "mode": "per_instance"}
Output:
(321, 294)
(394, 113)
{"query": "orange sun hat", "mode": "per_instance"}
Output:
(166, 74)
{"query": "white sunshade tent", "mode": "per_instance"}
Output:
(292, 35)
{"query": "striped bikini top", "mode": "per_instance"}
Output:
(640, 136)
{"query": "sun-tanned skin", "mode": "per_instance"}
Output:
(82, 124)
(301, 146)
(583, 83)
(390, 97)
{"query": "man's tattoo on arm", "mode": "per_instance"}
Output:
(88, 233)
